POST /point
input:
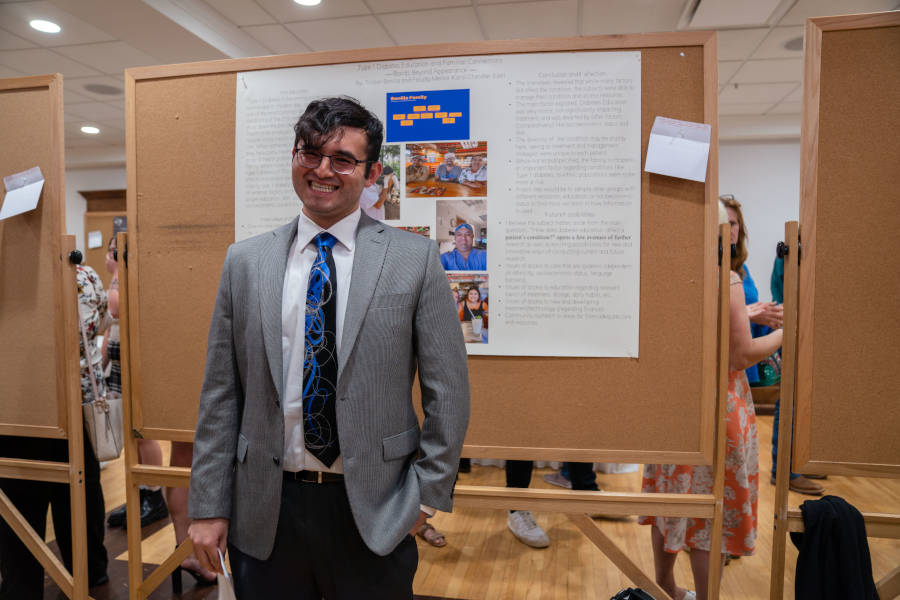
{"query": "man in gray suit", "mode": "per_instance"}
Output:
(307, 513)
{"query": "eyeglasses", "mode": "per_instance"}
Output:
(311, 159)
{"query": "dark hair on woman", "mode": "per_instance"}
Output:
(324, 118)
(475, 289)
(739, 256)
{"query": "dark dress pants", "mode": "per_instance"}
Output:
(23, 575)
(518, 473)
(319, 553)
(582, 476)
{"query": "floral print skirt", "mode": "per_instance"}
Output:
(741, 483)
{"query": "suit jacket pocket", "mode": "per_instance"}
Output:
(402, 444)
(392, 301)
(242, 446)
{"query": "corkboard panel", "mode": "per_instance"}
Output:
(30, 322)
(184, 224)
(848, 377)
(661, 403)
(652, 403)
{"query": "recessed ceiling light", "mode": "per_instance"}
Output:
(45, 26)
(308, 2)
(90, 130)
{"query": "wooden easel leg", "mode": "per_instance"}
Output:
(618, 558)
(155, 579)
(132, 492)
(37, 546)
(786, 411)
(888, 587)
(75, 420)
(715, 542)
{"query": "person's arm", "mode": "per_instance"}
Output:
(215, 439)
(113, 297)
(745, 350)
(104, 349)
(383, 196)
(444, 382)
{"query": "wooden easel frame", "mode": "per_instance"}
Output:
(577, 505)
(796, 374)
(713, 391)
(69, 386)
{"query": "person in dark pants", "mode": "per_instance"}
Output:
(23, 575)
(309, 461)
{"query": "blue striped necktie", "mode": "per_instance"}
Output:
(320, 366)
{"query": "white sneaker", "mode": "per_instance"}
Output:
(524, 527)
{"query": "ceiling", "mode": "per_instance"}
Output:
(759, 79)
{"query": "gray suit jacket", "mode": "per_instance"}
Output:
(400, 318)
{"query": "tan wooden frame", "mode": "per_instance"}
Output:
(715, 310)
(799, 285)
(809, 147)
(68, 388)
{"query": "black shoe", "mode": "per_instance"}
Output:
(117, 517)
(99, 581)
(153, 507)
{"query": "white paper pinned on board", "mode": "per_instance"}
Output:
(678, 149)
(95, 239)
(22, 192)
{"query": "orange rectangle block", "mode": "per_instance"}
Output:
(418, 109)
(405, 123)
(434, 107)
(399, 117)
(449, 120)
(413, 116)
(457, 114)
(440, 115)
(427, 116)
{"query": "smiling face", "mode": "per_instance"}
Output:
(327, 196)
(473, 296)
(476, 163)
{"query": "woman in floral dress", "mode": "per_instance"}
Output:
(671, 534)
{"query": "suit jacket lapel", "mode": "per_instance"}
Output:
(273, 257)
(368, 259)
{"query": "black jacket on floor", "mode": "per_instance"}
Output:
(834, 561)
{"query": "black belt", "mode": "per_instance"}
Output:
(313, 477)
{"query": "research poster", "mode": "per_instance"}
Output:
(525, 169)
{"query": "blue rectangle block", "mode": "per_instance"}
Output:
(427, 116)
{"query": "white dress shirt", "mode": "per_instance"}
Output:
(301, 257)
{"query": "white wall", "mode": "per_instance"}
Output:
(85, 180)
(764, 177)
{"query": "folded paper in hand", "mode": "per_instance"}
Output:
(226, 586)
(678, 149)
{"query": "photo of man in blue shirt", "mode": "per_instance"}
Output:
(465, 257)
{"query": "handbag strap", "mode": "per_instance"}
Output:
(87, 358)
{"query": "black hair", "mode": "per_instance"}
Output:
(324, 117)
